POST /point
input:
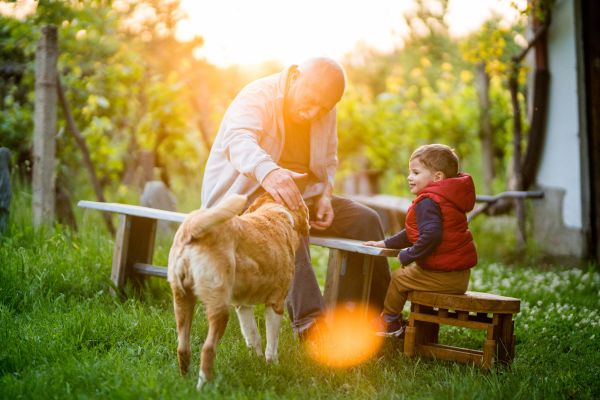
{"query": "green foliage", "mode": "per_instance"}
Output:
(124, 96)
(426, 95)
(133, 87)
(16, 82)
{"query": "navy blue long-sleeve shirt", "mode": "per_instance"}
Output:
(429, 223)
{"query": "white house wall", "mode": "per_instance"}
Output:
(560, 162)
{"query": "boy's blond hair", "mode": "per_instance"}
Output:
(437, 157)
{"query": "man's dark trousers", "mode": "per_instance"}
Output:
(353, 221)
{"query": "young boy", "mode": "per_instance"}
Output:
(436, 241)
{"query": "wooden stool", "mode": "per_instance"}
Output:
(472, 310)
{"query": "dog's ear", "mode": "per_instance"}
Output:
(301, 215)
(259, 201)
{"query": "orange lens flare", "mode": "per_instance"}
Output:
(344, 338)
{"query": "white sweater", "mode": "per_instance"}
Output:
(250, 141)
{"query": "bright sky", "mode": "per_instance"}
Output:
(250, 32)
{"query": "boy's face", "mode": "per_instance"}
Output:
(419, 176)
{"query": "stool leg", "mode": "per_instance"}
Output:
(489, 349)
(410, 334)
(506, 347)
(409, 341)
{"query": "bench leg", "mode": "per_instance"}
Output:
(134, 243)
(336, 266)
(368, 264)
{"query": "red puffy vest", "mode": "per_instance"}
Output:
(455, 197)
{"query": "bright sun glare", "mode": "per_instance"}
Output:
(344, 338)
(250, 32)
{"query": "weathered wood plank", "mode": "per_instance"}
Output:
(332, 281)
(120, 254)
(150, 270)
(450, 321)
(137, 211)
(450, 353)
(470, 301)
(353, 246)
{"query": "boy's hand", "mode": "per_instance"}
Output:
(378, 243)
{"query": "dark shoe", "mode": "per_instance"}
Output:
(393, 329)
(311, 332)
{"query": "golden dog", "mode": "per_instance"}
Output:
(222, 259)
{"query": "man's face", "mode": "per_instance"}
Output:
(310, 98)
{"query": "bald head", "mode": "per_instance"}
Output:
(326, 72)
(316, 86)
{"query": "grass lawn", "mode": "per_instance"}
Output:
(63, 336)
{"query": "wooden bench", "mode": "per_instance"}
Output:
(393, 209)
(473, 310)
(134, 249)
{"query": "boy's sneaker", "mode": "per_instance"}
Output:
(391, 329)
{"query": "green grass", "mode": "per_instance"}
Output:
(62, 335)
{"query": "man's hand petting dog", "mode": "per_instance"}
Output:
(284, 185)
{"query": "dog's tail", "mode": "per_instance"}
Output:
(202, 221)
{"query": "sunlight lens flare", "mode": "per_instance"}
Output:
(344, 338)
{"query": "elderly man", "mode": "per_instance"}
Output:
(279, 135)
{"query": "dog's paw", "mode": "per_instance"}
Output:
(272, 358)
(201, 381)
(258, 351)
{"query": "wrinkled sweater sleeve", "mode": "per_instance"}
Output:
(429, 223)
(243, 126)
(398, 241)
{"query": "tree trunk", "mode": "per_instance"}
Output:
(517, 181)
(44, 127)
(87, 160)
(485, 128)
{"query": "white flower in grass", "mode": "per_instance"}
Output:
(592, 337)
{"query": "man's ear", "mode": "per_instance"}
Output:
(438, 176)
(294, 75)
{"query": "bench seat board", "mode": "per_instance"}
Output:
(137, 211)
(354, 246)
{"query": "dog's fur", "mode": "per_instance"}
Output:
(222, 259)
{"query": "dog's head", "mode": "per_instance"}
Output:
(300, 215)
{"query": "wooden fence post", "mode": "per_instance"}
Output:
(44, 127)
